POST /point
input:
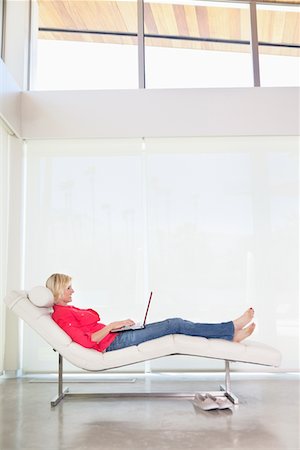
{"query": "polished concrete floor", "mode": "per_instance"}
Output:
(266, 418)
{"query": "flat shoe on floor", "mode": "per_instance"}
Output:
(205, 403)
(222, 402)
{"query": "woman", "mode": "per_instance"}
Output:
(83, 326)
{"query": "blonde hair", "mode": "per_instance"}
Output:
(58, 283)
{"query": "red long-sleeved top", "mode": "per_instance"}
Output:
(80, 324)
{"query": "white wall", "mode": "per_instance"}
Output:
(272, 111)
(160, 113)
(174, 113)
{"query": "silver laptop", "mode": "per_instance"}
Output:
(136, 326)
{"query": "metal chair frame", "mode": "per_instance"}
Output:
(225, 390)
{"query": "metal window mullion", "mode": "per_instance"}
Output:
(29, 48)
(3, 26)
(141, 44)
(254, 44)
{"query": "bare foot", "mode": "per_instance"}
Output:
(239, 335)
(242, 321)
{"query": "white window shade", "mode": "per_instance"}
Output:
(209, 224)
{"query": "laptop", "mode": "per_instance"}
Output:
(136, 326)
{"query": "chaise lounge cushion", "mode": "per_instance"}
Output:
(41, 296)
(39, 318)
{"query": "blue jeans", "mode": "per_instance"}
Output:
(155, 330)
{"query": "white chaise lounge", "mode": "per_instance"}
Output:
(35, 309)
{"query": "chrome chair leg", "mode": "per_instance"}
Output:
(227, 388)
(61, 392)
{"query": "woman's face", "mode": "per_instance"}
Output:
(67, 297)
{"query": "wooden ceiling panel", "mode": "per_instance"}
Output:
(181, 21)
(128, 10)
(191, 20)
(150, 23)
(202, 21)
(165, 18)
(291, 28)
(88, 15)
(245, 25)
(168, 19)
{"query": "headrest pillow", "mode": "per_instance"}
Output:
(41, 296)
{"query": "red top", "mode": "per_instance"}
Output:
(79, 324)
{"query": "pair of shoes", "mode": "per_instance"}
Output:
(209, 402)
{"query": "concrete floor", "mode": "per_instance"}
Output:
(266, 418)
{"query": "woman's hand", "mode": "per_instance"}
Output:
(99, 335)
(120, 324)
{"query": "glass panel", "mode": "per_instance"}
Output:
(197, 44)
(86, 45)
(279, 49)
